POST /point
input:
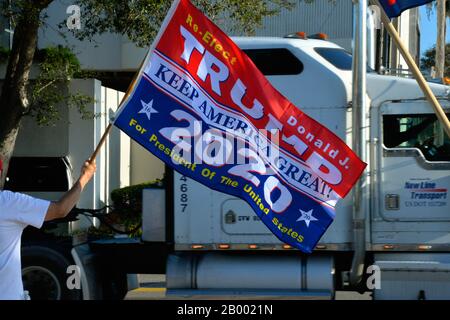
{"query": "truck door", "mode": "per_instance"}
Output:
(413, 178)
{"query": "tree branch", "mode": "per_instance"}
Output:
(14, 98)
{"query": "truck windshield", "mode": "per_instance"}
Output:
(422, 131)
(340, 58)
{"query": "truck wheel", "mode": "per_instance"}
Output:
(44, 274)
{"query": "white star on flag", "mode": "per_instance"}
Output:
(307, 217)
(147, 108)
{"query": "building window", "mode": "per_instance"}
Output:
(421, 131)
(275, 62)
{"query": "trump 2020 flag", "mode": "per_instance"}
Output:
(201, 106)
(394, 8)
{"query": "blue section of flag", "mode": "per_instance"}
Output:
(394, 8)
(150, 109)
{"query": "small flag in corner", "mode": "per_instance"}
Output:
(394, 8)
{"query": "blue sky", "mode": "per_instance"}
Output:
(428, 30)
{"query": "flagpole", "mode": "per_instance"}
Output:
(101, 142)
(415, 70)
(110, 125)
(133, 82)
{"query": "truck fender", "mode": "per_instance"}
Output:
(84, 260)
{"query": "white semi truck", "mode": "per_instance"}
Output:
(404, 194)
(208, 243)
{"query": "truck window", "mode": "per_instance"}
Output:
(339, 58)
(422, 131)
(275, 62)
(35, 174)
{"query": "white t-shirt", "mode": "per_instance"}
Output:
(17, 211)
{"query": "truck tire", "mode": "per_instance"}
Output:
(44, 274)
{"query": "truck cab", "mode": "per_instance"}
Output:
(405, 194)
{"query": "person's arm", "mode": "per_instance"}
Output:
(62, 207)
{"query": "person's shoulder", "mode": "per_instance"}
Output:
(20, 201)
(6, 195)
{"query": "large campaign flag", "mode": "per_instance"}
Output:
(201, 105)
(394, 8)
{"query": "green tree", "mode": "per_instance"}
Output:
(428, 60)
(138, 19)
